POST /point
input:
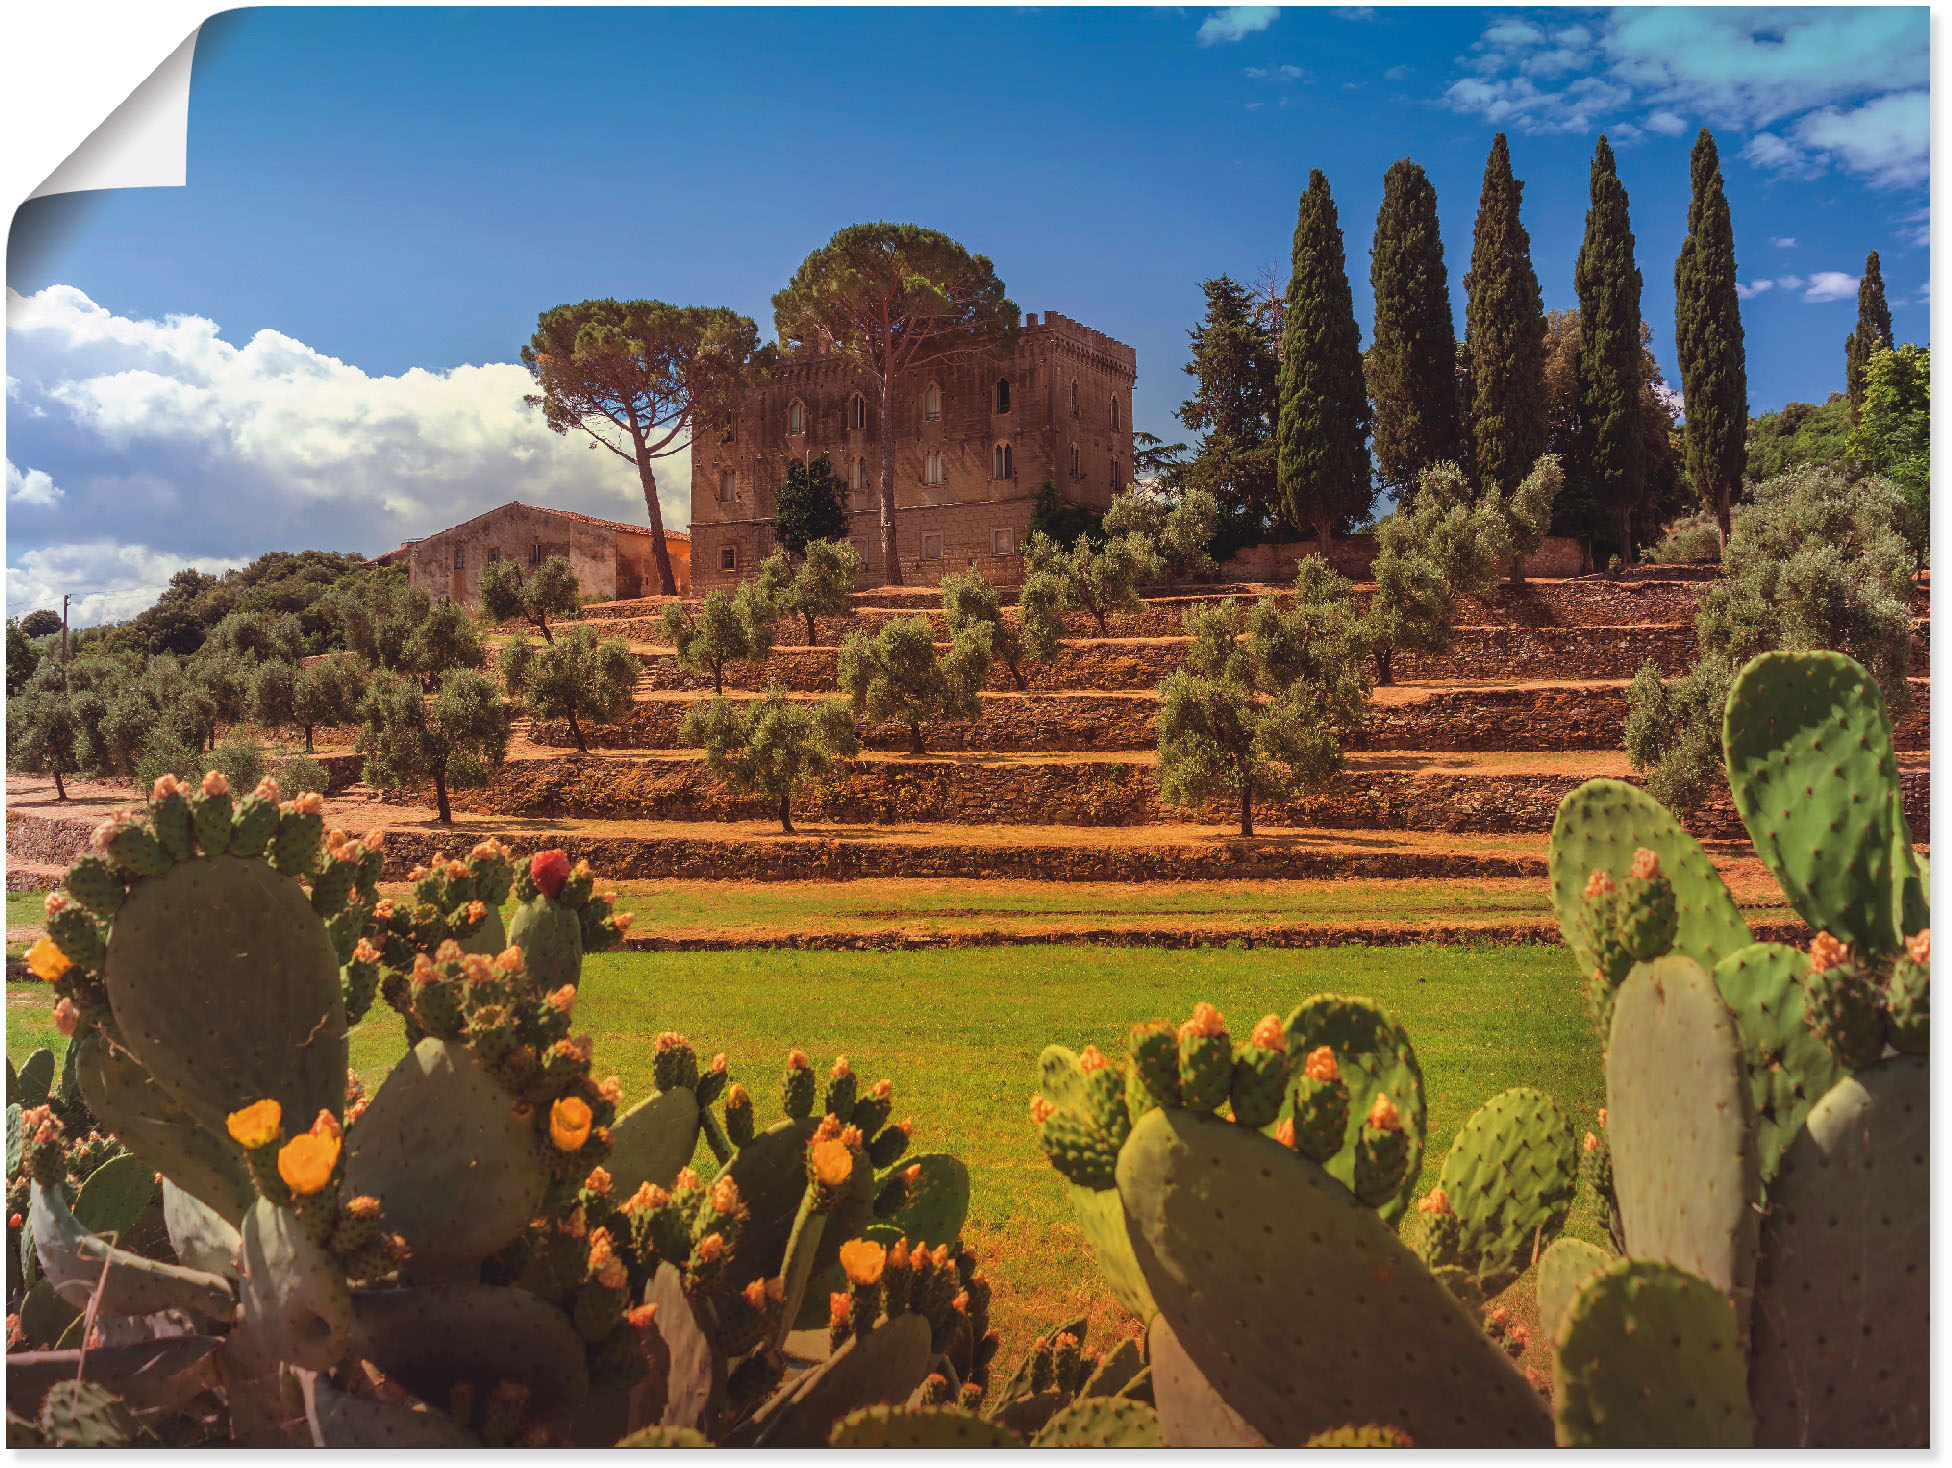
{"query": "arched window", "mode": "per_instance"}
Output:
(1115, 476)
(857, 412)
(796, 418)
(728, 485)
(1114, 412)
(1003, 395)
(1003, 463)
(932, 468)
(1077, 462)
(932, 404)
(860, 480)
(1074, 397)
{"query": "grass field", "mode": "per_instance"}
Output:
(958, 1031)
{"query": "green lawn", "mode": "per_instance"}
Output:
(958, 1031)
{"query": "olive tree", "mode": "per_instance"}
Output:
(728, 627)
(46, 734)
(1812, 562)
(454, 740)
(1266, 698)
(899, 673)
(1179, 528)
(575, 677)
(1095, 578)
(972, 609)
(507, 595)
(327, 692)
(822, 585)
(773, 745)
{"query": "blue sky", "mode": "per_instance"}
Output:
(312, 343)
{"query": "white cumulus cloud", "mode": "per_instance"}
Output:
(1233, 22)
(109, 582)
(1830, 285)
(31, 487)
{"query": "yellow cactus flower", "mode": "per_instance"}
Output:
(307, 1160)
(257, 1125)
(833, 1164)
(569, 1123)
(46, 961)
(862, 1261)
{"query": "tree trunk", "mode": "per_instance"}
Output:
(810, 628)
(440, 797)
(890, 557)
(60, 790)
(785, 815)
(542, 623)
(667, 582)
(308, 738)
(1017, 673)
(915, 737)
(718, 679)
(1324, 537)
(1383, 656)
(1724, 514)
(576, 733)
(1623, 517)
(1246, 807)
(1518, 570)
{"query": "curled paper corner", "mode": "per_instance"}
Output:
(144, 143)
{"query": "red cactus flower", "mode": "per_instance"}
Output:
(549, 870)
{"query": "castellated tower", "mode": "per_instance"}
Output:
(973, 442)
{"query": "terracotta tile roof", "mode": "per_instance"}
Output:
(669, 534)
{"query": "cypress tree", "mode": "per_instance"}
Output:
(1412, 361)
(1708, 340)
(1504, 335)
(1609, 351)
(1873, 331)
(1322, 460)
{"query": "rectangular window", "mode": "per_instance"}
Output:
(1003, 540)
(494, 553)
(728, 558)
(460, 558)
(535, 554)
(932, 545)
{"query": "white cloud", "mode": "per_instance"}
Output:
(31, 487)
(109, 582)
(1830, 285)
(1286, 72)
(1749, 290)
(1839, 87)
(1235, 21)
(1396, 74)
(1356, 12)
(1784, 242)
(273, 444)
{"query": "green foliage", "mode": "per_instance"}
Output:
(1235, 366)
(1800, 435)
(809, 505)
(772, 746)
(639, 377)
(1504, 334)
(1179, 528)
(1692, 540)
(327, 692)
(1322, 462)
(41, 622)
(1893, 436)
(375, 616)
(444, 641)
(577, 676)
(974, 611)
(890, 299)
(1610, 350)
(46, 735)
(507, 595)
(22, 657)
(241, 757)
(728, 627)
(456, 739)
(1057, 519)
(1411, 367)
(1813, 563)
(1266, 697)
(821, 586)
(1087, 577)
(297, 773)
(1708, 339)
(1872, 335)
(898, 673)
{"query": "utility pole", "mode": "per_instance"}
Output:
(64, 640)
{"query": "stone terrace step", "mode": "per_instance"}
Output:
(1487, 793)
(1536, 716)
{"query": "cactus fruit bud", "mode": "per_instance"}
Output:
(1270, 1034)
(1205, 1059)
(597, 1182)
(1079, 1149)
(1321, 1107)
(66, 1016)
(1320, 1065)
(549, 870)
(840, 1311)
(1918, 947)
(1040, 1109)
(1599, 884)
(1590, 1144)
(1382, 1154)
(863, 1261)
(214, 783)
(796, 1089)
(1154, 1050)
(569, 1123)
(1908, 997)
(1827, 952)
(1841, 1004)
(1434, 1201)
(1260, 1076)
(1383, 1114)
(47, 962)
(739, 1122)
(1092, 1059)
(258, 1125)
(1646, 864)
(1285, 1132)
(166, 786)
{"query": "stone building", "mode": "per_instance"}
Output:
(973, 442)
(612, 560)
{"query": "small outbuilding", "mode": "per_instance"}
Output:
(612, 560)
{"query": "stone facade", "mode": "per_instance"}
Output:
(610, 559)
(973, 441)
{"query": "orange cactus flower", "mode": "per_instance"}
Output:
(1602, 1118)
(1206, 1022)
(1590, 1144)
(1320, 1065)
(1598, 885)
(257, 1125)
(1285, 1132)
(1269, 1034)
(1040, 1110)
(1826, 952)
(66, 1016)
(1919, 946)
(214, 783)
(46, 961)
(841, 1068)
(1092, 1059)
(755, 1295)
(307, 1160)
(833, 1164)
(1383, 1115)
(796, 1060)
(1645, 863)
(309, 803)
(862, 1260)
(1434, 1201)
(598, 1181)
(569, 1123)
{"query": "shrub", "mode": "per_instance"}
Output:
(165, 753)
(898, 673)
(241, 758)
(577, 676)
(728, 627)
(822, 586)
(298, 773)
(771, 746)
(1692, 540)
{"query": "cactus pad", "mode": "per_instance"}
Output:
(1812, 769)
(1376, 1058)
(550, 936)
(653, 1140)
(1301, 1307)
(1649, 1356)
(883, 1366)
(452, 1163)
(1102, 1422)
(1843, 1289)
(432, 1336)
(114, 1196)
(1563, 1271)
(338, 1419)
(35, 1079)
(1510, 1177)
(226, 989)
(294, 1292)
(938, 1200)
(1060, 1081)
(1789, 1068)
(1679, 1125)
(1191, 1413)
(1101, 1218)
(76, 1261)
(917, 1427)
(1599, 826)
(201, 1237)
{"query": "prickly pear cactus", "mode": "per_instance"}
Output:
(561, 917)
(1563, 1271)
(1789, 1066)
(1373, 1058)
(1509, 1180)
